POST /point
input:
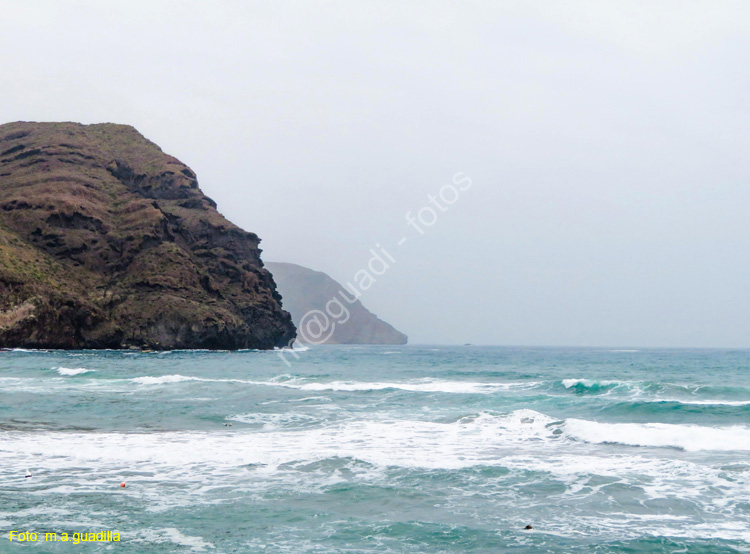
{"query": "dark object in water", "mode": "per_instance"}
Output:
(528, 527)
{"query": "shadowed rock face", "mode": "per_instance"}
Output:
(304, 290)
(107, 242)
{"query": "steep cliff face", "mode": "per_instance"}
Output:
(305, 290)
(107, 242)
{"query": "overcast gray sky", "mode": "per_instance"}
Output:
(607, 143)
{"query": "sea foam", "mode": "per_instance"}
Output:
(73, 371)
(164, 379)
(286, 381)
(426, 385)
(685, 437)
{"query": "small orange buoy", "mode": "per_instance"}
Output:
(122, 484)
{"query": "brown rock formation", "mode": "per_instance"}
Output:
(107, 242)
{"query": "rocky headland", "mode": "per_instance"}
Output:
(346, 320)
(108, 242)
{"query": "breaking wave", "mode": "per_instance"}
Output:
(422, 385)
(685, 437)
(74, 371)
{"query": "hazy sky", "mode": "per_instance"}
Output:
(607, 142)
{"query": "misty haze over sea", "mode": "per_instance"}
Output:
(606, 142)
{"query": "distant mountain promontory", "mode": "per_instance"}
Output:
(333, 312)
(107, 242)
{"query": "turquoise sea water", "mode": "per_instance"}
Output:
(378, 449)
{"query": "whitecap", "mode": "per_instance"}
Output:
(303, 384)
(588, 383)
(702, 402)
(469, 441)
(73, 371)
(424, 385)
(685, 437)
(275, 420)
(148, 380)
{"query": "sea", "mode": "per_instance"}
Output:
(376, 449)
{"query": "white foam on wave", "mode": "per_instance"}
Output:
(73, 371)
(657, 477)
(686, 437)
(296, 347)
(289, 382)
(703, 402)
(251, 460)
(476, 440)
(570, 383)
(275, 421)
(524, 440)
(164, 379)
(424, 385)
(174, 536)
(177, 378)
